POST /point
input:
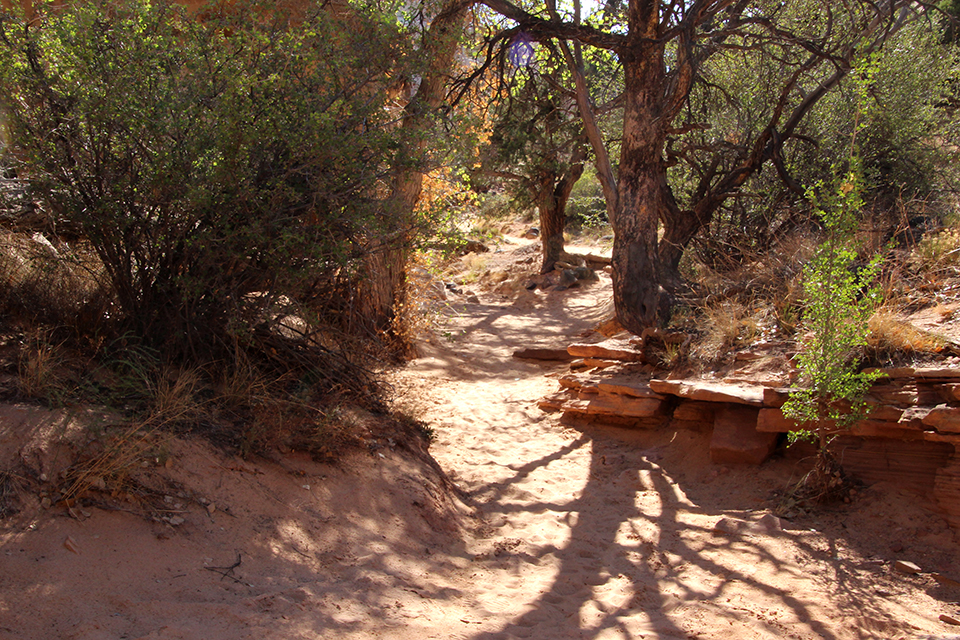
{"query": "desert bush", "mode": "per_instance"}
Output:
(906, 144)
(216, 168)
(207, 193)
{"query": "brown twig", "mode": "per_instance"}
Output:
(227, 572)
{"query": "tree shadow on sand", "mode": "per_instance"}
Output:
(638, 567)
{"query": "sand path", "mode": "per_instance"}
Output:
(565, 531)
(607, 533)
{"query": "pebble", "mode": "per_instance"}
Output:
(726, 526)
(176, 520)
(71, 545)
(908, 568)
(949, 619)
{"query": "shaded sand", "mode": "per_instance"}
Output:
(561, 530)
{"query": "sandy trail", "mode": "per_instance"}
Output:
(564, 531)
(591, 532)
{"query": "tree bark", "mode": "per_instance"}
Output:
(384, 284)
(552, 221)
(642, 194)
(552, 202)
(679, 228)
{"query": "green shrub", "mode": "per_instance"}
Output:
(222, 170)
(839, 300)
(840, 297)
(587, 207)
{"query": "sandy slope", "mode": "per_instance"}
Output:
(561, 531)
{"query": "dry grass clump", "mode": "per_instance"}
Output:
(11, 487)
(787, 307)
(937, 252)
(727, 324)
(120, 454)
(179, 397)
(891, 337)
(60, 286)
(41, 372)
(490, 229)
(476, 265)
(751, 299)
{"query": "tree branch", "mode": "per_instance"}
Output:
(539, 29)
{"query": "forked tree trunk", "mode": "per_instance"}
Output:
(679, 228)
(552, 206)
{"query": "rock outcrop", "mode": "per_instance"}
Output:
(911, 435)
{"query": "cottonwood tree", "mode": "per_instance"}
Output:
(664, 46)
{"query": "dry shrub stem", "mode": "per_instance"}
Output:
(823, 484)
(11, 486)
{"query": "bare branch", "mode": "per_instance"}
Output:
(539, 29)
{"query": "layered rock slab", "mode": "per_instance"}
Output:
(735, 438)
(615, 398)
(911, 436)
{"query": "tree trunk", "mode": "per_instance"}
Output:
(637, 294)
(679, 228)
(552, 221)
(385, 272)
(643, 194)
(552, 205)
